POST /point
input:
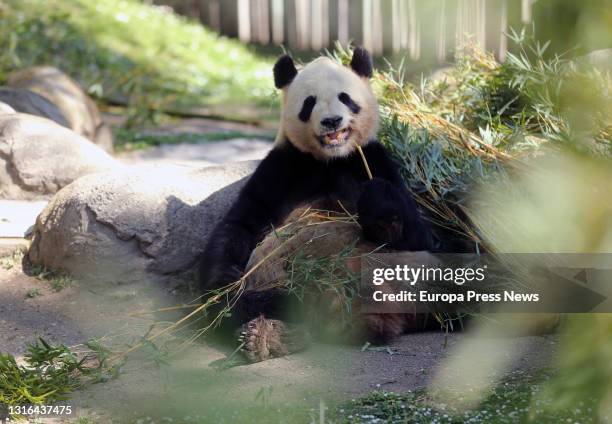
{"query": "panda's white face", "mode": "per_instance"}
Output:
(327, 109)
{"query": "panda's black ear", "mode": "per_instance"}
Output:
(361, 62)
(284, 71)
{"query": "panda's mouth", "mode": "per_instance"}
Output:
(335, 138)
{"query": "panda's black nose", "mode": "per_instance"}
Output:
(332, 122)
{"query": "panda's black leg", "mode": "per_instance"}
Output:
(388, 215)
(387, 211)
(274, 303)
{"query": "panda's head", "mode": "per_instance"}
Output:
(327, 107)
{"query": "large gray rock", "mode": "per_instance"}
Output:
(39, 157)
(26, 101)
(5, 109)
(148, 222)
(77, 107)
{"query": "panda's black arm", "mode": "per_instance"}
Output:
(263, 202)
(378, 201)
(382, 165)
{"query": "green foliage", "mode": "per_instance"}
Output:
(512, 401)
(433, 164)
(32, 293)
(258, 411)
(311, 276)
(484, 118)
(50, 373)
(56, 279)
(457, 92)
(136, 54)
(38, 382)
(585, 369)
(555, 98)
(528, 95)
(11, 261)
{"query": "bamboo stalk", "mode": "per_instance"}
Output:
(365, 162)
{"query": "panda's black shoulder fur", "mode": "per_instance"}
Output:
(288, 178)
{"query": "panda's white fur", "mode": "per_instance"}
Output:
(325, 79)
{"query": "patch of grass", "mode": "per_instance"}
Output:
(57, 280)
(255, 414)
(128, 140)
(513, 401)
(136, 54)
(32, 293)
(12, 261)
(50, 373)
(60, 282)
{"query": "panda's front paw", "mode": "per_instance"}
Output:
(381, 212)
(263, 339)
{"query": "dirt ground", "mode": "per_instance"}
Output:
(78, 312)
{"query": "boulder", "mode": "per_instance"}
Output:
(145, 223)
(39, 157)
(5, 109)
(26, 101)
(77, 107)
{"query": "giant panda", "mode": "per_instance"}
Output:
(327, 110)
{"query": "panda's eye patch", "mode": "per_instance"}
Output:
(350, 103)
(309, 104)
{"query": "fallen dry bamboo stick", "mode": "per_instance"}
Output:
(166, 309)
